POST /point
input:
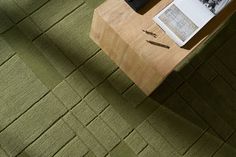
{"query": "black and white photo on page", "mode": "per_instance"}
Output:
(215, 6)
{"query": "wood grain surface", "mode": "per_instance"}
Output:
(119, 31)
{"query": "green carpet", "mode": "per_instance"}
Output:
(60, 95)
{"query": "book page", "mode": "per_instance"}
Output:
(178, 22)
(182, 19)
(215, 6)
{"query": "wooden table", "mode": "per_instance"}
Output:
(118, 30)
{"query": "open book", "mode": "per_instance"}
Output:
(182, 19)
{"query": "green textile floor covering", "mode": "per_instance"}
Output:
(60, 95)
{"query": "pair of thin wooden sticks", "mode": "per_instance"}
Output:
(153, 42)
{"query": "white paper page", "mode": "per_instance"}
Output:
(195, 10)
(182, 19)
(178, 23)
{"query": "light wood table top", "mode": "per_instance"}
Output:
(118, 30)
